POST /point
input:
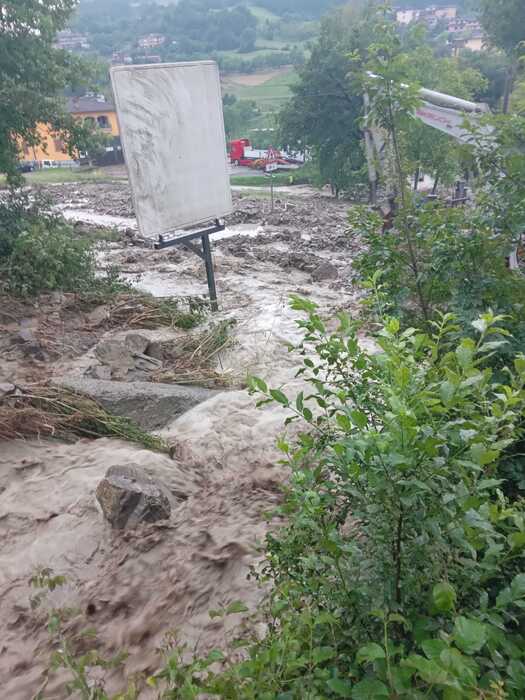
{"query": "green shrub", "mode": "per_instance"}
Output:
(48, 257)
(40, 252)
(458, 266)
(399, 574)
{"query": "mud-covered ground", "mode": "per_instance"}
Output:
(134, 586)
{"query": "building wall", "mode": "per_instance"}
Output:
(55, 149)
(475, 44)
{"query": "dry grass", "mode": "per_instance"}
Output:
(44, 411)
(194, 360)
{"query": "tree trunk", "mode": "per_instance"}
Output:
(509, 84)
(436, 182)
(416, 179)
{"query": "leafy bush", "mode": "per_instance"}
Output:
(39, 250)
(458, 265)
(399, 573)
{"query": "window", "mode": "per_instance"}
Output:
(103, 122)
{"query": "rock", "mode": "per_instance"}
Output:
(100, 372)
(155, 350)
(325, 271)
(136, 343)
(128, 497)
(26, 335)
(6, 388)
(151, 406)
(116, 355)
(146, 363)
(98, 315)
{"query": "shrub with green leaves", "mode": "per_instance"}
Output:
(39, 250)
(400, 571)
(460, 268)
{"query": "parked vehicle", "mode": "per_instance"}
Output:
(242, 153)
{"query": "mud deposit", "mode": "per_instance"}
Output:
(135, 586)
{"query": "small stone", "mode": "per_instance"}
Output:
(100, 372)
(27, 335)
(98, 315)
(136, 343)
(325, 271)
(128, 497)
(154, 349)
(116, 355)
(6, 388)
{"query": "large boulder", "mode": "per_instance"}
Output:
(150, 405)
(128, 497)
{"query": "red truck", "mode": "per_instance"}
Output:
(242, 153)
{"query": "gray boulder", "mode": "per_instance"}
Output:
(128, 497)
(325, 271)
(150, 405)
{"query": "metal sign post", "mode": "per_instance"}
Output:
(185, 239)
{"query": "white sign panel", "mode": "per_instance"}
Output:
(172, 131)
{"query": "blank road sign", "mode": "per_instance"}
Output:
(172, 131)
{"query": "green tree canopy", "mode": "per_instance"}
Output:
(325, 111)
(33, 75)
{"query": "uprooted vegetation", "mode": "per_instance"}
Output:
(45, 411)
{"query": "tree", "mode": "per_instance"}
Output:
(504, 24)
(325, 110)
(32, 76)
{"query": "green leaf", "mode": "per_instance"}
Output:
(433, 647)
(320, 654)
(215, 655)
(359, 418)
(469, 635)
(518, 586)
(481, 455)
(258, 384)
(277, 395)
(344, 422)
(428, 669)
(370, 689)
(444, 597)
(519, 365)
(517, 540)
(340, 687)
(370, 652)
(236, 607)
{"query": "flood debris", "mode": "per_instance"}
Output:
(47, 411)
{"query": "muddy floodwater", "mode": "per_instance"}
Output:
(223, 471)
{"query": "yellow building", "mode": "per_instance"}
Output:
(52, 151)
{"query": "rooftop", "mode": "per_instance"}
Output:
(89, 103)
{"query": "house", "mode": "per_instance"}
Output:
(151, 41)
(71, 41)
(91, 109)
(476, 41)
(429, 15)
(463, 25)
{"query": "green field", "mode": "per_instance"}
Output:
(270, 95)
